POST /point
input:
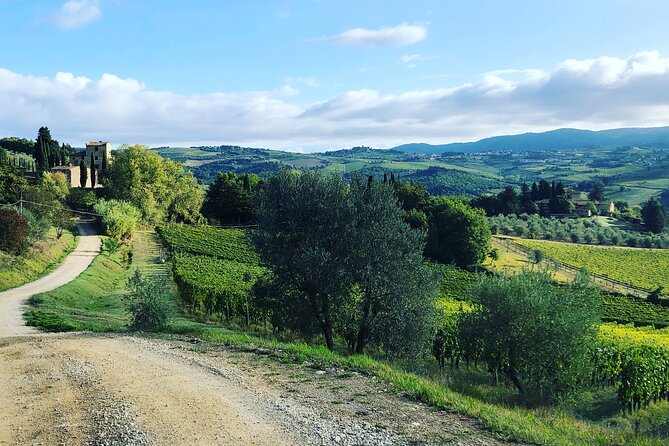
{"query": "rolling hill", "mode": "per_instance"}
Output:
(552, 140)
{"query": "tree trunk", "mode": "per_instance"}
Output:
(513, 376)
(363, 332)
(326, 323)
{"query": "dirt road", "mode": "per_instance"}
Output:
(12, 301)
(77, 389)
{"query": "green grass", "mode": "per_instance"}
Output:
(92, 302)
(41, 258)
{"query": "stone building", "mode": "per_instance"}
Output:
(99, 150)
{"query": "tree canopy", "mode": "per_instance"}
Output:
(457, 232)
(344, 262)
(162, 189)
(654, 215)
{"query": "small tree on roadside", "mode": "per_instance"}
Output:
(149, 301)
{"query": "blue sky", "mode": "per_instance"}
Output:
(308, 75)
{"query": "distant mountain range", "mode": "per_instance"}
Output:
(552, 140)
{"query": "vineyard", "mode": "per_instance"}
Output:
(646, 268)
(632, 310)
(214, 269)
(229, 244)
(636, 360)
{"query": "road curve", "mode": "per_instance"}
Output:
(12, 301)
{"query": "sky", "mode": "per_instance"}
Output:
(308, 75)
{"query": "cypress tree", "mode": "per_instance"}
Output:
(103, 168)
(92, 171)
(83, 171)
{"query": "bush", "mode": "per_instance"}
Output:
(15, 229)
(149, 302)
(120, 218)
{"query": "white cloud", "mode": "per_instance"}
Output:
(77, 13)
(599, 93)
(399, 35)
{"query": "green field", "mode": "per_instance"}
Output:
(646, 268)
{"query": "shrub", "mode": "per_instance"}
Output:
(120, 218)
(149, 302)
(15, 229)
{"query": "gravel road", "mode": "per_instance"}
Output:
(80, 389)
(12, 301)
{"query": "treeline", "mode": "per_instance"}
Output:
(579, 230)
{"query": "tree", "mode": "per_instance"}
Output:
(457, 232)
(11, 184)
(92, 171)
(385, 257)
(510, 201)
(654, 215)
(536, 196)
(511, 321)
(344, 262)
(410, 195)
(149, 301)
(83, 174)
(597, 192)
(162, 189)
(229, 198)
(14, 234)
(527, 205)
(560, 205)
(56, 183)
(303, 224)
(103, 167)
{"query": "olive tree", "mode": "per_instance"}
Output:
(535, 333)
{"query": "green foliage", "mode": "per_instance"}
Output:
(654, 215)
(19, 145)
(160, 188)
(214, 269)
(11, 184)
(81, 200)
(538, 335)
(228, 244)
(637, 360)
(457, 232)
(119, 217)
(343, 261)
(229, 198)
(93, 179)
(14, 234)
(574, 229)
(149, 301)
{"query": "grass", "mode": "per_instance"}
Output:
(43, 257)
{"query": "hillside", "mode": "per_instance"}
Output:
(552, 140)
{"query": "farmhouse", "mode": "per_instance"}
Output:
(98, 151)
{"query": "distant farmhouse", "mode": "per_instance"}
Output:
(98, 151)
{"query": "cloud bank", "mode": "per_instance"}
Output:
(597, 93)
(400, 35)
(77, 13)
